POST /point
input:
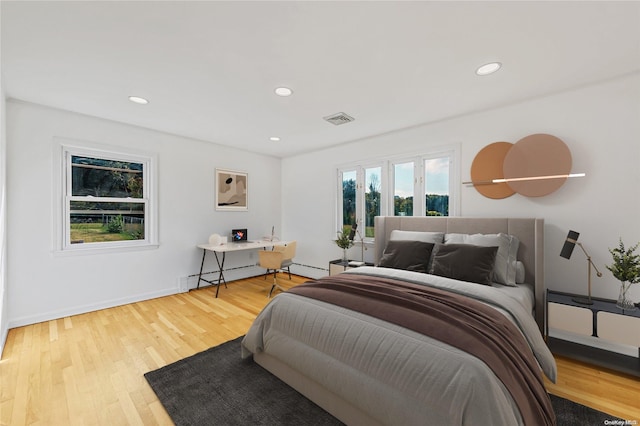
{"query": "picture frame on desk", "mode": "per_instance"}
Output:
(232, 190)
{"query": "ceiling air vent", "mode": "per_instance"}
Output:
(339, 118)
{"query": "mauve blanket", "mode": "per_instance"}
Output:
(451, 318)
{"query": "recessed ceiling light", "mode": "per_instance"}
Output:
(138, 100)
(489, 68)
(283, 91)
(274, 138)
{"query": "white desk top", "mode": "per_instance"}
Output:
(257, 244)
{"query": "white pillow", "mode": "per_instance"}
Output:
(426, 237)
(504, 270)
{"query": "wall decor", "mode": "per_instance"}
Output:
(487, 166)
(534, 166)
(537, 155)
(231, 190)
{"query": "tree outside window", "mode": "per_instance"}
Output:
(419, 185)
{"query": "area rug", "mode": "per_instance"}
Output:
(216, 387)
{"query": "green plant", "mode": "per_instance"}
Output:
(343, 240)
(626, 264)
(115, 225)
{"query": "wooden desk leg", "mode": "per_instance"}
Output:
(204, 254)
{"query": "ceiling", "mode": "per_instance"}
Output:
(209, 68)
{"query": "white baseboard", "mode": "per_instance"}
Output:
(183, 284)
(309, 271)
(83, 309)
(238, 273)
(3, 340)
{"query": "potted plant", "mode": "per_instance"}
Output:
(344, 242)
(626, 268)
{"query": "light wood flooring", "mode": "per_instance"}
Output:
(88, 369)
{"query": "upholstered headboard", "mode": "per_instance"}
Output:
(529, 231)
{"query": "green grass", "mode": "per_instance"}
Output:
(96, 233)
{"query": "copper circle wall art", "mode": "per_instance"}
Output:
(488, 165)
(534, 166)
(543, 157)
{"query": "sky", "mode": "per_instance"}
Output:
(437, 177)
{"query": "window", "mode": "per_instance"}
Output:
(403, 187)
(361, 197)
(425, 179)
(372, 198)
(437, 185)
(421, 185)
(107, 200)
(348, 198)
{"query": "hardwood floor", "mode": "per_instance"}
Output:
(603, 390)
(88, 369)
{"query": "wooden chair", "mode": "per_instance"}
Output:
(280, 258)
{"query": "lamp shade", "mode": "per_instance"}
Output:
(569, 244)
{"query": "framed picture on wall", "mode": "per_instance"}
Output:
(231, 190)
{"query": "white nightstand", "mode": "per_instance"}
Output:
(339, 265)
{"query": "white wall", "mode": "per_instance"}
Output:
(601, 126)
(4, 300)
(43, 285)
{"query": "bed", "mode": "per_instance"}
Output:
(393, 345)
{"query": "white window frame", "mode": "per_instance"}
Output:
(392, 182)
(340, 206)
(387, 183)
(360, 193)
(67, 149)
(419, 184)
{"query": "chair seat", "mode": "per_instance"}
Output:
(274, 260)
(286, 263)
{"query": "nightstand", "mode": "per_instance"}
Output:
(601, 334)
(339, 265)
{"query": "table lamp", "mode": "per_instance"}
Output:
(352, 235)
(567, 249)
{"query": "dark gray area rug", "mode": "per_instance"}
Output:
(216, 387)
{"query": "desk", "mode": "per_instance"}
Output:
(224, 249)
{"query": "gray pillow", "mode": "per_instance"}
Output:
(407, 255)
(504, 270)
(464, 262)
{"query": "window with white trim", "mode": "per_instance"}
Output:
(360, 193)
(420, 185)
(107, 199)
(423, 185)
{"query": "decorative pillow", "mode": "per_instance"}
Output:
(520, 272)
(407, 255)
(504, 271)
(427, 237)
(464, 262)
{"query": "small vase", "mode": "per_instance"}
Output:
(624, 302)
(345, 259)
